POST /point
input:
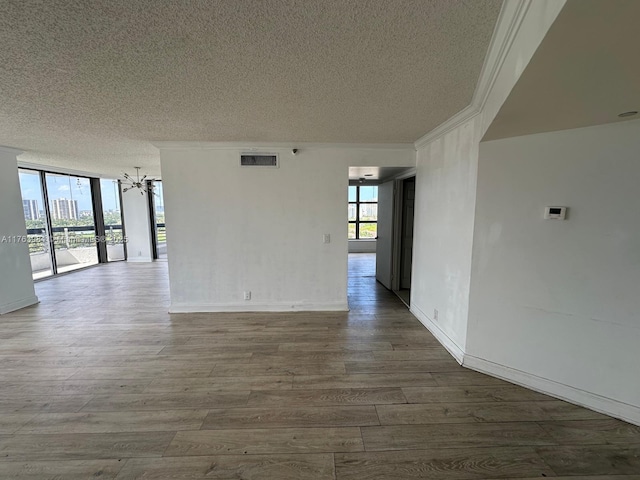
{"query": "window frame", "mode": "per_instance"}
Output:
(357, 221)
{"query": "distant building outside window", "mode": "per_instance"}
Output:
(363, 212)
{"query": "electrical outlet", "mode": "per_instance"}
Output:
(435, 314)
(326, 238)
(247, 295)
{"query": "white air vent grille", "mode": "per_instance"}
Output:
(258, 160)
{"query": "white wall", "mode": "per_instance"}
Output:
(135, 208)
(443, 232)
(233, 229)
(16, 283)
(560, 300)
(446, 177)
(362, 246)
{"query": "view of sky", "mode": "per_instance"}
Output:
(367, 193)
(61, 186)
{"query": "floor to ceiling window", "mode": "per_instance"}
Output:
(35, 216)
(363, 211)
(112, 215)
(72, 221)
(63, 232)
(158, 214)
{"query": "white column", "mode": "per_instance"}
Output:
(16, 282)
(137, 224)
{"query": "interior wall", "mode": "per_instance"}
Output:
(234, 229)
(135, 208)
(443, 233)
(362, 246)
(16, 282)
(558, 300)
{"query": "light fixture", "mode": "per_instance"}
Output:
(628, 114)
(140, 183)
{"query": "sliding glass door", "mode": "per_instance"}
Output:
(63, 230)
(72, 221)
(112, 214)
(35, 217)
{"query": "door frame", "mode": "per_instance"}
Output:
(398, 205)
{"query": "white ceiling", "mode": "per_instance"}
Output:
(89, 84)
(585, 72)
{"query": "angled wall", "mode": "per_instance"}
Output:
(554, 304)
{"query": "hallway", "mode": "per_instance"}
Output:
(98, 381)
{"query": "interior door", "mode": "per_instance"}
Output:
(384, 243)
(408, 201)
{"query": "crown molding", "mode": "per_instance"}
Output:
(506, 30)
(249, 146)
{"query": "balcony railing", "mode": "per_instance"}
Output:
(71, 237)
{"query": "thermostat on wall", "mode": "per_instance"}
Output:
(555, 213)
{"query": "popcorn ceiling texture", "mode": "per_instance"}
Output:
(89, 84)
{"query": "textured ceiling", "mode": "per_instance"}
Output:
(585, 72)
(89, 84)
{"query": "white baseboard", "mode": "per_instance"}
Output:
(140, 260)
(260, 307)
(608, 406)
(17, 305)
(452, 347)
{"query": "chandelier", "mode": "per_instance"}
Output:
(142, 184)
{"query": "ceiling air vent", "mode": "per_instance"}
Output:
(258, 160)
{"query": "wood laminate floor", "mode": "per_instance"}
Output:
(99, 382)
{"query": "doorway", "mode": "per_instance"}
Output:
(395, 234)
(406, 238)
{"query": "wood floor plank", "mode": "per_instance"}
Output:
(465, 378)
(587, 460)
(291, 416)
(266, 441)
(473, 394)
(231, 467)
(217, 384)
(333, 346)
(12, 422)
(132, 372)
(393, 366)
(287, 368)
(363, 380)
(453, 435)
(61, 470)
(113, 422)
(581, 477)
(167, 401)
(331, 396)
(83, 446)
(454, 464)
(218, 349)
(413, 414)
(600, 432)
(74, 387)
(42, 403)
